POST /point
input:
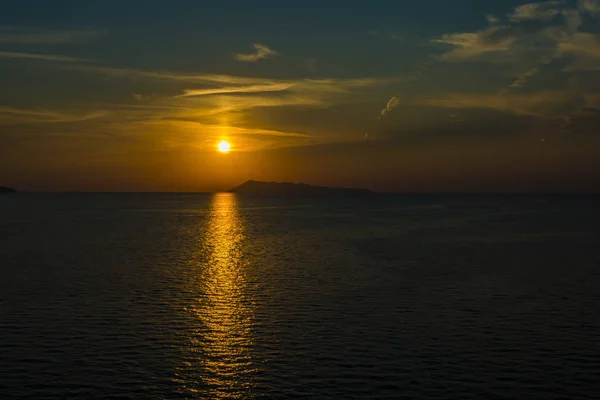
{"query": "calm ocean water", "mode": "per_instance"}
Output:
(218, 296)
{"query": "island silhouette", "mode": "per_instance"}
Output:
(258, 188)
(7, 190)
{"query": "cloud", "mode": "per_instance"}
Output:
(12, 115)
(546, 104)
(191, 107)
(42, 57)
(317, 93)
(590, 6)
(470, 45)
(262, 51)
(273, 87)
(322, 84)
(210, 105)
(300, 86)
(534, 36)
(188, 134)
(231, 130)
(521, 80)
(572, 19)
(518, 38)
(228, 99)
(201, 107)
(585, 47)
(536, 11)
(391, 104)
(16, 35)
(231, 84)
(200, 78)
(491, 19)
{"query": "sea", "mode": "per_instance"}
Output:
(221, 296)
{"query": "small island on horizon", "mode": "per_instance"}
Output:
(258, 188)
(7, 190)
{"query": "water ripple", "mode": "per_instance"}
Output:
(164, 297)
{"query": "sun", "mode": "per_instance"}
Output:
(224, 146)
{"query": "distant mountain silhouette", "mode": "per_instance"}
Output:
(6, 190)
(257, 188)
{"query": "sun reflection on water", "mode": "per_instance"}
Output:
(224, 309)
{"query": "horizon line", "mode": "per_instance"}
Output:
(541, 193)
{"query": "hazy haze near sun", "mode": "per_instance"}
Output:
(424, 95)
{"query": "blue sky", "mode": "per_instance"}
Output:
(405, 96)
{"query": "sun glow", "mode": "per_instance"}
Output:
(224, 146)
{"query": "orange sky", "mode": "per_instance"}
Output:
(497, 97)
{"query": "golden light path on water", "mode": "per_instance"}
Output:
(223, 345)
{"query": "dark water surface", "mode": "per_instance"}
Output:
(218, 296)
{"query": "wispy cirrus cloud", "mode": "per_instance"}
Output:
(517, 38)
(258, 88)
(171, 132)
(211, 105)
(195, 108)
(231, 130)
(585, 48)
(470, 45)
(546, 104)
(261, 52)
(195, 78)
(26, 36)
(339, 86)
(533, 36)
(221, 84)
(42, 57)
(12, 115)
(305, 93)
(536, 11)
(591, 6)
